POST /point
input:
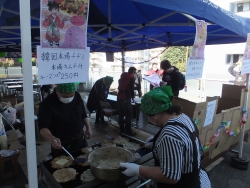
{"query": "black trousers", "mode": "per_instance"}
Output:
(125, 110)
(98, 115)
(139, 91)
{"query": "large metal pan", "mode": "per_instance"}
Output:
(108, 174)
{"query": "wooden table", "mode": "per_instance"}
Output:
(112, 99)
(14, 160)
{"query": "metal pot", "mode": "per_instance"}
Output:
(108, 174)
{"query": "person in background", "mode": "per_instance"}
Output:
(45, 90)
(154, 70)
(138, 79)
(240, 79)
(62, 118)
(171, 76)
(99, 92)
(175, 147)
(125, 96)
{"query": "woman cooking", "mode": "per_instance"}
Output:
(62, 120)
(175, 146)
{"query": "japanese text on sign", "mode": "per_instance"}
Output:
(246, 57)
(194, 68)
(245, 66)
(62, 65)
(211, 107)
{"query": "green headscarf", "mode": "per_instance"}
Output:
(66, 88)
(157, 100)
(108, 80)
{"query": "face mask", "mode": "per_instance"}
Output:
(152, 122)
(66, 100)
(155, 69)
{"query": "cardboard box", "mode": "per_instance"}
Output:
(212, 103)
(228, 110)
(202, 137)
(10, 98)
(212, 147)
(231, 96)
(232, 91)
(192, 109)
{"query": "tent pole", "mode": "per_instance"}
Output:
(109, 18)
(28, 92)
(123, 56)
(240, 162)
(245, 106)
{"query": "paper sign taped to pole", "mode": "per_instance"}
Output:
(57, 65)
(195, 62)
(246, 57)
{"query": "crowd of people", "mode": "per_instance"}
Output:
(63, 122)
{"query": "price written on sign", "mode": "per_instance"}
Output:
(194, 68)
(245, 66)
(62, 65)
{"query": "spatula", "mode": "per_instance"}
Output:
(76, 160)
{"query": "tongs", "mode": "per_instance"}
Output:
(76, 160)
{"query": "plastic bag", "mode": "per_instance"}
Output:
(8, 153)
(9, 114)
(3, 136)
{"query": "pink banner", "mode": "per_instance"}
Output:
(63, 23)
(247, 49)
(197, 51)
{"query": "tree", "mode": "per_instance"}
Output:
(178, 56)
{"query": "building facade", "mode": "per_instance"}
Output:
(218, 58)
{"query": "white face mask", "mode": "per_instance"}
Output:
(155, 69)
(66, 100)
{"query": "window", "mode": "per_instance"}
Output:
(241, 7)
(233, 58)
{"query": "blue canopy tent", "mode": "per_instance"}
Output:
(113, 26)
(129, 25)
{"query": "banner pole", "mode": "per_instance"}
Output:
(28, 92)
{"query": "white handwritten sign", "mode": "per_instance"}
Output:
(57, 65)
(210, 112)
(194, 68)
(245, 66)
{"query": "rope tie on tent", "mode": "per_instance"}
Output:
(225, 125)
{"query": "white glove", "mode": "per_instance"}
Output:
(149, 144)
(131, 169)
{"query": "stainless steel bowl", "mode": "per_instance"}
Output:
(108, 174)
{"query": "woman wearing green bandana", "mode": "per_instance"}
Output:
(62, 119)
(175, 147)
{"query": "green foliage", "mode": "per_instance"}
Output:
(178, 56)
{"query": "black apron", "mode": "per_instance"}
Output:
(73, 143)
(188, 180)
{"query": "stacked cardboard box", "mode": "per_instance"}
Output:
(196, 111)
(211, 114)
(229, 110)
